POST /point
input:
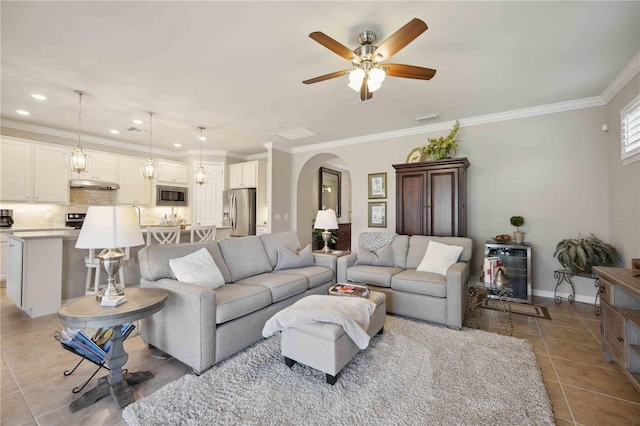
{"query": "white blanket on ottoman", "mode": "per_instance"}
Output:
(352, 313)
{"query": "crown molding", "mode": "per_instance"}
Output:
(627, 73)
(467, 122)
(278, 147)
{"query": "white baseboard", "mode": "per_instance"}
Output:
(589, 300)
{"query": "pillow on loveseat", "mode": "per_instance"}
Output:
(289, 260)
(197, 268)
(381, 257)
(439, 258)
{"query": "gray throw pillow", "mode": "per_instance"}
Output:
(289, 260)
(382, 257)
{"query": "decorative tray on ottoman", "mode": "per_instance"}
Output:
(349, 290)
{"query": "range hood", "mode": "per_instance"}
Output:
(93, 184)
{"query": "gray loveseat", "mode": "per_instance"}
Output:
(201, 326)
(423, 295)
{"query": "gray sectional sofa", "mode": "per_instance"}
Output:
(201, 326)
(423, 295)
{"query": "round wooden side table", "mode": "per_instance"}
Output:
(86, 312)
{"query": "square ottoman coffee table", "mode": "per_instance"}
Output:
(325, 346)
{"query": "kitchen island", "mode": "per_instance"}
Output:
(44, 268)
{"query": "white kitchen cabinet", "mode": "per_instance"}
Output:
(245, 175)
(207, 203)
(34, 276)
(134, 189)
(104, 167)
(51, 177)
(4, 247)
(14, 271)
(173, 172)
(15, 171)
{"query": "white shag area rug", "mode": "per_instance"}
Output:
(414, 374)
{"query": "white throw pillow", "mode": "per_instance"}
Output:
(197, 268)
(289, 260)
(439, 257)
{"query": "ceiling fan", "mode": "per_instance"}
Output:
(368, 70)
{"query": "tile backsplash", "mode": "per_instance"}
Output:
(53, 215)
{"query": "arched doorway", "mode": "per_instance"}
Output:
(307, 193)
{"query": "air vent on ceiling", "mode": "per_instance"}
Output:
(297, 134)
(134, 129)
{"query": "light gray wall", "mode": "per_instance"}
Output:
(624, 182)
(550, 169)
(279, 195)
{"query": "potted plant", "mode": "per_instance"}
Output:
(579, 255)
(442, 147)
(517, 221)
(318, 242)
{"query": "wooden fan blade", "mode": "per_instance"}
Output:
(326, 77)
(409, 71)
(400, 38)
(365, 94)
(333, 45)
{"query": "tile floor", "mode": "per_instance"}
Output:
(583, 389)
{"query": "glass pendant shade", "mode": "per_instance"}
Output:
(149, 170)
(78, 161)
(200, 176)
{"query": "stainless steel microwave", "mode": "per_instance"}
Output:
(171, 196)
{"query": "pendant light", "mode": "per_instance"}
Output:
(149, 170)
(200, 175)
(77, 160)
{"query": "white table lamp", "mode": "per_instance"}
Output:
(110, 227)
(326, 219)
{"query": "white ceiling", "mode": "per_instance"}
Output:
(236, 67)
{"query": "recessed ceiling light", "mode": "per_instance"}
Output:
(39, 97)
(177, 145)
(138, 121)
(23, 112)
(202, 138)
(115, 132)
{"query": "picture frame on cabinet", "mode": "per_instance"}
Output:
(377, 214)
(377, 185)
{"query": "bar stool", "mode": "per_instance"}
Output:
(163, 235)
(203, 233)
(92, 262)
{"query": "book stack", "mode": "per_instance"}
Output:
(489, 269)
(94, 349)
(350, 290)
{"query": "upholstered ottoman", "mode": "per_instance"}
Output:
(325, 346)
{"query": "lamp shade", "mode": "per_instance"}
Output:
(110, 227)
(326, 219)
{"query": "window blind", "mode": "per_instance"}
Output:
(631, 129)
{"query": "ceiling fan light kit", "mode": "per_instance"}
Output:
(368, 72)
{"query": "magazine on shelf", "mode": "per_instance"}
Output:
(95, 349)
(349, 290)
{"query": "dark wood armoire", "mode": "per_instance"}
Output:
(431, 197)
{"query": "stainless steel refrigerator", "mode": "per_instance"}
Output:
(239, 211)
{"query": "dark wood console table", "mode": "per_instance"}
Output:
(620, 319)
(86, 312)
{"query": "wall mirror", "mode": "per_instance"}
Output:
(329, 190)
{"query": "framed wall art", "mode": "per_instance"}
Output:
(378, 214)
(378, 185)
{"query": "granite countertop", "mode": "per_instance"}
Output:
(30, 235)
(34, 228)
